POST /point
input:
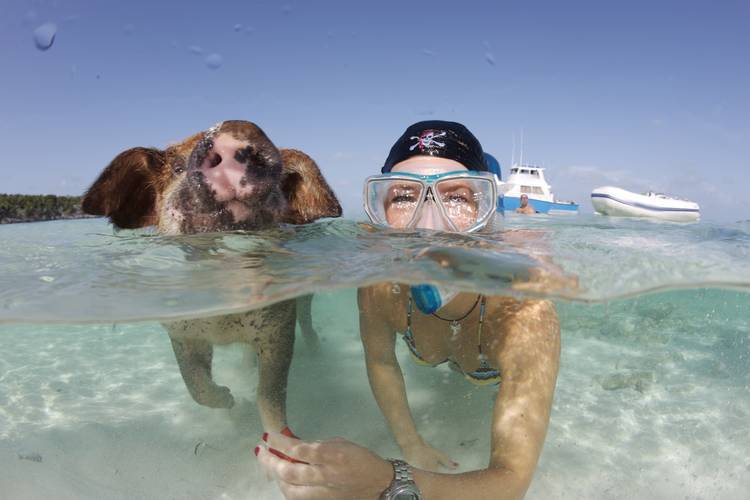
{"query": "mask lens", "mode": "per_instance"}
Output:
(466, 201)
(393, 201)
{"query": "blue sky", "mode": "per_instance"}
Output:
(643, 95)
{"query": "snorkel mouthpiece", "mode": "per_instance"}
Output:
(430, 298)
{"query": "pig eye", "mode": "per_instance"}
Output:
(178, 167)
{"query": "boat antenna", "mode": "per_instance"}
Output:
(521, 163)
(513, 153)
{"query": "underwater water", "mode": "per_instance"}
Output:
(652, 398)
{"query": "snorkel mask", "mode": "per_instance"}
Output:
(461, 201)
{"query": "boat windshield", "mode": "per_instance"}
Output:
(664, 196)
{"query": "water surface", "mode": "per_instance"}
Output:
(652, 400)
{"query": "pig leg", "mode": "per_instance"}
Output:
(275, 351)
(194, 359)
(304, 318)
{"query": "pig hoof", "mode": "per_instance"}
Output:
(215, 397)
(312, 341)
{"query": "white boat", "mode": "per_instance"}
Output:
(610, 200)
(529, 180)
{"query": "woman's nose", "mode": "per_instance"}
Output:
(429, 217)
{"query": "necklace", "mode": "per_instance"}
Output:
(455, 324)
(456, 329)
(458, 320)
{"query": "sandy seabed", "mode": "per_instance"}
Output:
(647, 406)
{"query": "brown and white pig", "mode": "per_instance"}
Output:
(230, 177)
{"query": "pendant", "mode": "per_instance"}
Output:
(483, 364)
(455, 328)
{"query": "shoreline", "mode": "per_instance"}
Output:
(47, 219)
(21, 208)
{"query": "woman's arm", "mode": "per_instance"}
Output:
(387, 380)
(529, 358)
(383, 370)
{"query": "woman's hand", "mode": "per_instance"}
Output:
(424, 456)
(335, 468)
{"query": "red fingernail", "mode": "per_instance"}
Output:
(265, 436)
(257, 450)
(288, 432)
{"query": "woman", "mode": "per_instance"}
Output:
(435, 178)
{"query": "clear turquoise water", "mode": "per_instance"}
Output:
(652, 401)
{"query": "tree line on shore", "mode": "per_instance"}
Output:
(30, 208)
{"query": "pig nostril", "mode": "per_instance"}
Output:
(214, 161)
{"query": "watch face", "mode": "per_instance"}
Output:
(406, 492)
(406, 495)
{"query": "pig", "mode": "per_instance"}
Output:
(227, 178)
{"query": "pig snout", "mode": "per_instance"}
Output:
(232, 180)
(238, 174)
(224, 170)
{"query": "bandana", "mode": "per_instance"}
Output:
(449, 140)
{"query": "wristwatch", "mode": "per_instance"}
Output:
(403, 486)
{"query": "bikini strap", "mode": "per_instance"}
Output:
(481, 322)
(408, 313)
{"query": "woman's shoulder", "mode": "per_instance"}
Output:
(384, 292)
(386, 301)
(373, 292)
(503, 309)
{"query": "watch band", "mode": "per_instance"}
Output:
(402, 485)
(401, 471)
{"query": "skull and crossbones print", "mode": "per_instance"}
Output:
(428, 140)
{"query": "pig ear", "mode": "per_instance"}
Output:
(126, 191)
(307, 193)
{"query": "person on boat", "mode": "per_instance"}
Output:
(526, 207)
(435, 178)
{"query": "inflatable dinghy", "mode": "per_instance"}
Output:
(609, 200)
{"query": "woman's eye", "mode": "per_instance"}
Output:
(403, 198)
(456, 197)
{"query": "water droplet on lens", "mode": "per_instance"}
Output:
(44, 36)
(214, 61)
(237, 27)
(489, 58)
(428, 52)
(128, 29)
(194, 49)
(287, 10)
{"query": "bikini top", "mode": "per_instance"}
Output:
(484, 375)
